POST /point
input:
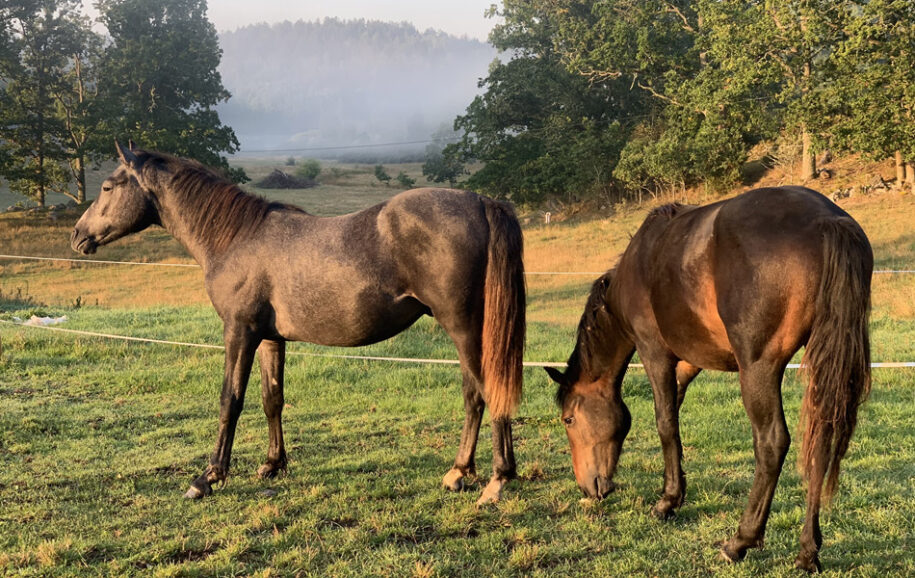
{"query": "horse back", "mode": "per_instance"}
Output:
(734, 281)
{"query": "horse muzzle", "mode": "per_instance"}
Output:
(598, 488)
(82, 243)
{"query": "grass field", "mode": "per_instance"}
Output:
(99, 438)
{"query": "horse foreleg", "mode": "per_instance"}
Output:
(464, 462)
(760, 387)
(272, 355)
(662, 374)
(240, 346)
(503, 461)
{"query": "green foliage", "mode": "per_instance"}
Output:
(161, 79)
(66, 93)
(666, 93)
(381, 174)
(405, 180)
(309, 169)
(37, 42)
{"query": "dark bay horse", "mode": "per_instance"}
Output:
(738, 285)
(275, 274)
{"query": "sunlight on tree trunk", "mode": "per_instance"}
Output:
(808, 161)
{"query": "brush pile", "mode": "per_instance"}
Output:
(280, 180)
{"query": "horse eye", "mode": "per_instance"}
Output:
(568, 420)
(106, 188)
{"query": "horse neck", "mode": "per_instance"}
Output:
(604, 346)
(174, 220)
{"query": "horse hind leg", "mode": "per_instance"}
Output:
(811, 537)
(272, 355)
(469, 346)
(760, 386)
(464, 462)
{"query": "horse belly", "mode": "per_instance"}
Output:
(349, 327)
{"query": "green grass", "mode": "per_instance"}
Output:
(100, 438)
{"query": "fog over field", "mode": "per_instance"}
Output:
(343, 83)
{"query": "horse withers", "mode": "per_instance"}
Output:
(275, 274)
(739, 285)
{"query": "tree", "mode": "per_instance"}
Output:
(439, 168)
(405, 180)
(38, 39)
(309, 169)
(161, 81)
(877, 84)
(382, 175)
(540, 129)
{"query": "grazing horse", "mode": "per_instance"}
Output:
(274, 274)
(738, 285)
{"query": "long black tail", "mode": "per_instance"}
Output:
(837, 359)
(504, 311)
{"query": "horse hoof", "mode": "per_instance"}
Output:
(269, 471)
(810, 564)
(193, 493)
(454, 480)
(664, 513)
(200, 488)
(729, 556)
(492, 493)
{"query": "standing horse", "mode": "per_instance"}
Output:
(738, 285)
(275, 274)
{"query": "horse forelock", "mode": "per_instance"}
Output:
(592, 333)
(215, 209)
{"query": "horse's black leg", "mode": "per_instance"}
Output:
(811, 538)
(272, 355)
(464, 462)
(662, 374)
(240, 347)
(760, 388)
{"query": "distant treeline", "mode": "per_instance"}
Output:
(346, 82)
(66, 91)
(614, 97)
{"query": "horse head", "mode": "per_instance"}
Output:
(124, 205)
(596, 422)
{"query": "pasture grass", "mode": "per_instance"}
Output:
(99, 438)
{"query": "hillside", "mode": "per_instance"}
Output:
(335, 82)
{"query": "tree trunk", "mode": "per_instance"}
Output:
(80, 178)
(909, 173)
(808, 161)
(900, 169)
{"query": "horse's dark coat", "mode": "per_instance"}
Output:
(738, 285)
(275, 273)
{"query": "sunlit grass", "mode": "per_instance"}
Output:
(99, 438)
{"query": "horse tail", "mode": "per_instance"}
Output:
(503, 311)
(837, 358)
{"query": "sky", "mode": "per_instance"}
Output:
(457, 17)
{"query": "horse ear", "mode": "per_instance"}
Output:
(556, 375)
(131, 145)
(127, 156)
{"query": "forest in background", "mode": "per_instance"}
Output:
(581, 99)
(307, 85)
(612, 98)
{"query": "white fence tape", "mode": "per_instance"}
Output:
(888, 364)
(102, 262)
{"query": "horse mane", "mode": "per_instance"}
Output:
(215, 208)
(593, 329)
(668, 211)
